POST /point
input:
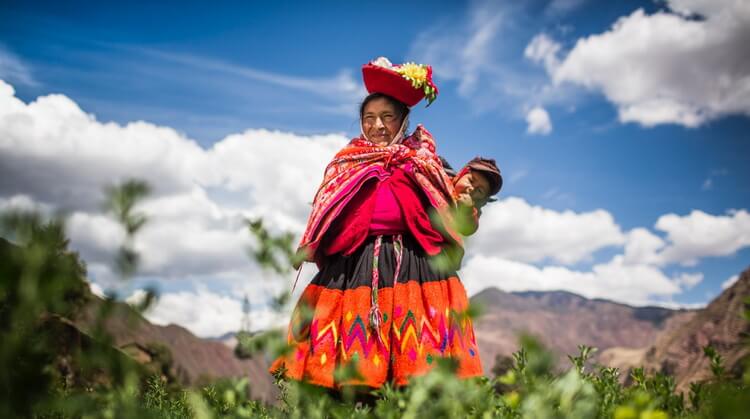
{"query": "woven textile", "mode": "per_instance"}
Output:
(422, 320)
(360, 161)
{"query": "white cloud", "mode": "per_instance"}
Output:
(669, 67)
(137, 297)
(474, 49)
(642, 247)
(22, 202)
(516, 176)
(689, 280)
(513, 229)
(13, 69)
(614, 280)
(97, 236)
(514, 234)
(205, 313)
(97, 290)
(689, 238)
(203, 237)
(102, 275)
(466, 51)
(55, 156)
(279, 172)
(729, 282)
(538, 121)
(559, 7)
(699, 235)
(343, 85)
(543, 49)
(555, 194)
(55, 152)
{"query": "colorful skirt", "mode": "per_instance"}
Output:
(421, 319)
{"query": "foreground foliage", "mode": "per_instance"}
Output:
(42, 285)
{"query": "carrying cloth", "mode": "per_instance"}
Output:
(361, 160)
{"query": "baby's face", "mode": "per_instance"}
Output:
(473, 188)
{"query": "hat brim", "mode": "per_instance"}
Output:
(382, 80)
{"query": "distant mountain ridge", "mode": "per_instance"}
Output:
(561, 300)
(195, 360)
(563, 320)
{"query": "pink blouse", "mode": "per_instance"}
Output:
(386, 216)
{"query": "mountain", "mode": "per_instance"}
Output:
(195, 361)
(659, 338)
(563, 320)
(169, 350)
(228, 339)
(679, 352)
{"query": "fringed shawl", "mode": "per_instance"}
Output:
(359, 161)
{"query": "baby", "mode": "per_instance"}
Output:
(475, 184)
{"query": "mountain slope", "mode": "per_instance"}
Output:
(721, 324)
(562, 321)
(195, 360)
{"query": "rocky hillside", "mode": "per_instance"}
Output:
(721, 324)
(195, 360)
(562, 321)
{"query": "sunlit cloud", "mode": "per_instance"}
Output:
(638, 64)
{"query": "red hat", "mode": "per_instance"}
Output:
(408, 82)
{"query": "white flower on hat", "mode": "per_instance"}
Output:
(382, 62)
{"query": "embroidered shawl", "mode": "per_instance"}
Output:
(361, 160)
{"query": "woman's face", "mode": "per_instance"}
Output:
(473, 187)
(380, 121)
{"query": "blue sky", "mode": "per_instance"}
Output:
(211, 70)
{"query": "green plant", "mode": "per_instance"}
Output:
(42, 285)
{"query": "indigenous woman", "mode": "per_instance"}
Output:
(382, 215)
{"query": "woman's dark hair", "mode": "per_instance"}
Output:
(401, 108)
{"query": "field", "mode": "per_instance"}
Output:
(49, 371)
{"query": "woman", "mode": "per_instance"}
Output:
(382, 215)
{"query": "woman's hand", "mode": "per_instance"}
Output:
(465, 200)
(466, 217)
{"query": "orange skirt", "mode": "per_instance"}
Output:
(422, 320)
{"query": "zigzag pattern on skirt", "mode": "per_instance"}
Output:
(409, 335)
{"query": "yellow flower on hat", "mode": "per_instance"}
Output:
(416, 73)
(420, 77)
